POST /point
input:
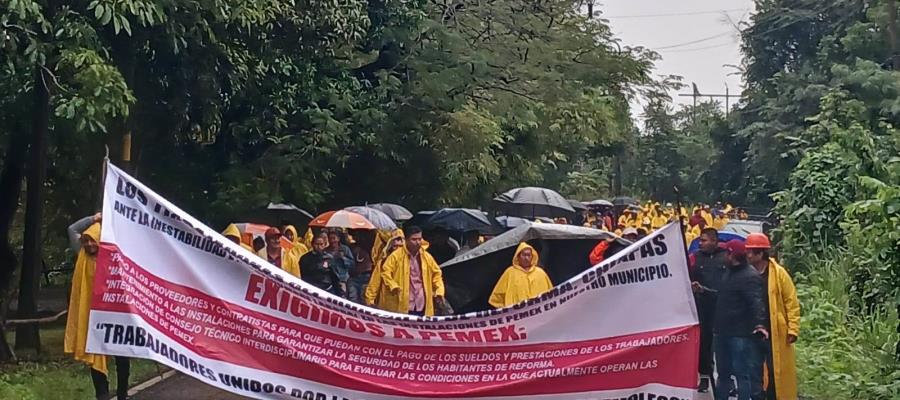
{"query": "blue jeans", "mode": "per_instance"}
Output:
(739, 357)
(356, 287)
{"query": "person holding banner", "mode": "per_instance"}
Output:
(317, 267)
(523, 280)
(412, 278)
(75, 341)
(739, 326)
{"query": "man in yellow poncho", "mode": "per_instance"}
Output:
(374, 294)
(783, 319)
(233, 234)
(412, 278)
(77, 320)
(278, 256)
(523, 280)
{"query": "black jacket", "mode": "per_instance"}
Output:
(709, 268)
(317, 269)
(739, 307)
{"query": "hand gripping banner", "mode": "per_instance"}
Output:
(170, 289)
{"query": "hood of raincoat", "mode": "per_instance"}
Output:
(293, 230)
(534, 255)
(92, 232)
(232, 230)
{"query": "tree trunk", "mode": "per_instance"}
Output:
(28, 336)
(10, 187)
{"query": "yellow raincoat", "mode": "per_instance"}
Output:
(395, 278)
(80, 306)
(518, 284)
(659, 221)
(719, 223)
(299, 248)
(233, 231)
(308, 238)
(707, 217)
(375, 290)
(784, 313)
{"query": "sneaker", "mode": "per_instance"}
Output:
(704, 385)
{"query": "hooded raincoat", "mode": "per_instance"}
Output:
(395, 278)
(518, 284)
(784, 314)
(375, 290)
(80, 306)
(233, 231)
(299, 247)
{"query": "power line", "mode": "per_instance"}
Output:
(676, 14)
(701, 40)
(700, 48)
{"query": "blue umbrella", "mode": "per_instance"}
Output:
(723, 237)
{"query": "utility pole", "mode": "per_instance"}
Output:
(696, 94)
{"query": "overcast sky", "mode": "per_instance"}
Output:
(696, 38)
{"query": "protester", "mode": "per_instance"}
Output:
(523, 280)
(298, 248)
(233, 234)
(442, 247)
(344, 261)
(75, 341)
(375, 288)
(277, 256)
(412, 277)
(697, 219)
(630, 234)
(708, 266)
(471, 240)
(361, 273)
(598, 254)
(317, 267)
(739, 326)
(783, 319)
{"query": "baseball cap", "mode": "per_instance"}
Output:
(272, 232)
(735, 247)
(629, 231)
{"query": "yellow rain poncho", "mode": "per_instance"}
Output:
(719, 223)
(784, 314)
(298, 248)
(518, 283)
(395, 278)
(375, 290)
(233, 231)
(80, 306)
(659, 221)
(707, 217)
(308, 238)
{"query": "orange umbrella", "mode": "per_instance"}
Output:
(342, 219)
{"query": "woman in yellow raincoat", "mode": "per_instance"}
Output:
(784, 318)
(298, 247)
(75, 341)
(374, 290)
(523, 280)
(397, 275)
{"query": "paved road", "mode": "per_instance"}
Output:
(181, 387)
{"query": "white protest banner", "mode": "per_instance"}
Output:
(170, 289)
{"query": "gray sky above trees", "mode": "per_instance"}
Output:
(696, 38)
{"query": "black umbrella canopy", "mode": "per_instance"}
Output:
(533, 202)
(460, 220)
(624, 201)
(395, 211)
(577, 205)
(599, 203)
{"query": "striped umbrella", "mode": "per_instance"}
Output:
(341, 219)
(381, 220)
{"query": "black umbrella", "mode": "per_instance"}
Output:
(396, 212)
(460, 220)
(511, 222)
(278, 214)
(533, 202)
(599, 203)
(577, 205)
(624, 201)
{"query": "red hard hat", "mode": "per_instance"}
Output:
(758, 241)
